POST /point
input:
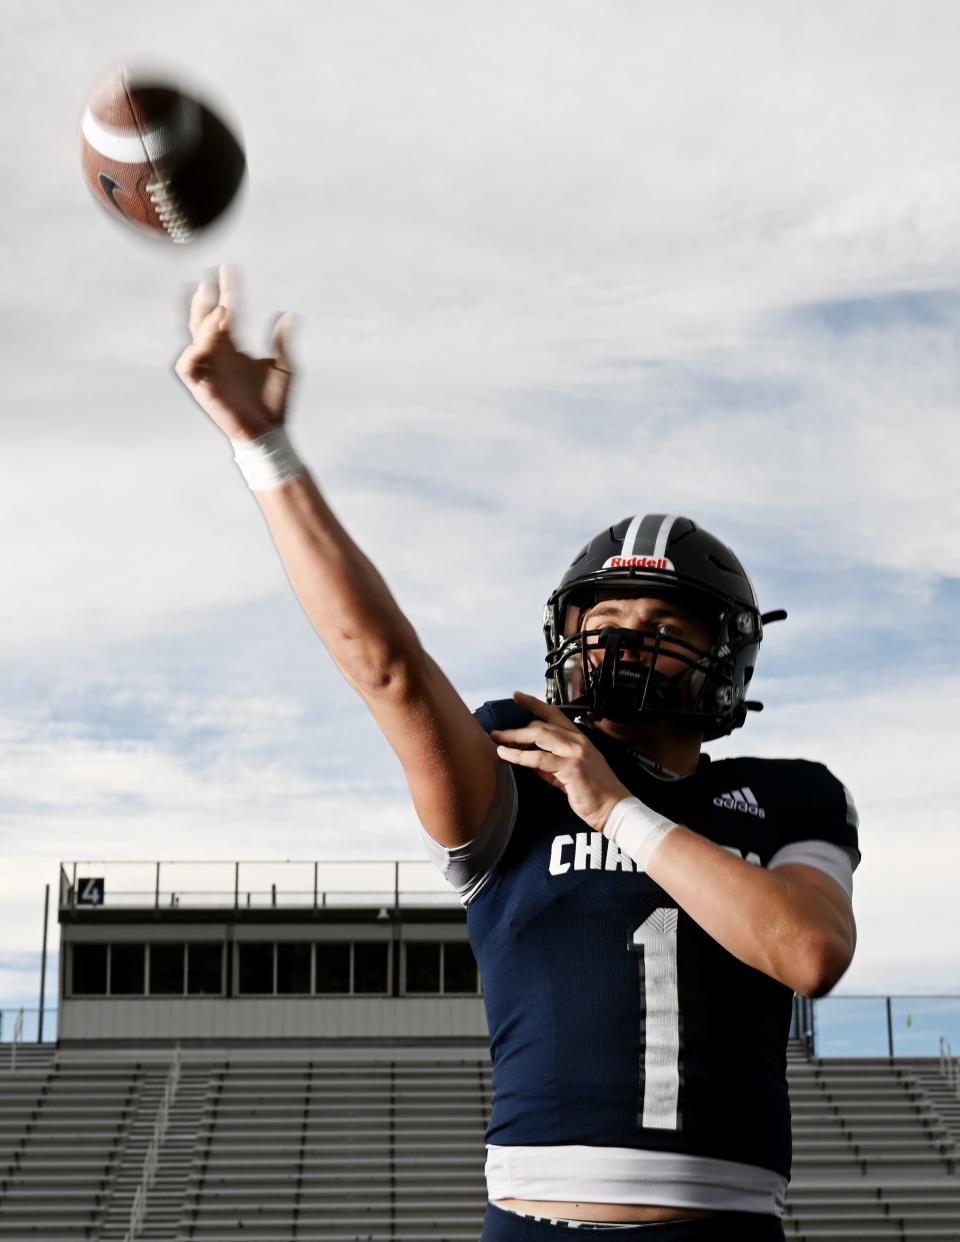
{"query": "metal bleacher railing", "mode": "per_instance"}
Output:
(152, 1159)
(950, 1066)
(21, 1026)
(17, 1037)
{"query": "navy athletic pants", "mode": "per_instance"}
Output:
(502, 1226)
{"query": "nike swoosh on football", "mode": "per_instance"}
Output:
(108, 185)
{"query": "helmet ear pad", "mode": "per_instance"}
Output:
(717, 623)
(697, 682)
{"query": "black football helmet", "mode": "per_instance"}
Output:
(669, 557)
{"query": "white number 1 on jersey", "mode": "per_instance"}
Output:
(657, 935)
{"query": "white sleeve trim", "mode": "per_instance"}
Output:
(836, 861)
(468, 867)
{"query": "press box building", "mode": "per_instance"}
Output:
(248, 951)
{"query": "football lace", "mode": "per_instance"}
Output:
(169, 212)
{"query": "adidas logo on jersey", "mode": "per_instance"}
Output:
(741, 800)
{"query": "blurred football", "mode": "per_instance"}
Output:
(156, 157)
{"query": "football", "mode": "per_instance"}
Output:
(157, 158)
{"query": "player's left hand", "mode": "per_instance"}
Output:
(560, 755)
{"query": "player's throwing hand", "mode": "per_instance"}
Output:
(246, 397)
(564, 758)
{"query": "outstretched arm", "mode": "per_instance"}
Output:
(448, 760)
(342, 593)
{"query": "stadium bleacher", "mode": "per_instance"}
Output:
(874, 1157)
(269, 1142)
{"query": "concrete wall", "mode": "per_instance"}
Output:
(272, 1017)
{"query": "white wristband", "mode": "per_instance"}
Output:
(267, 462)
(636, 830)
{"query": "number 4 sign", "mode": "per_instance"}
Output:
(90, 891)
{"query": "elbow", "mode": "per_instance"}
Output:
(375, 679)
(820, 986)
(379, 662)
(381, 674)
(825, 965)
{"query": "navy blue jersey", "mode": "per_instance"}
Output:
(614, 1019)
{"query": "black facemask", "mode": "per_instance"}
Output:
(621, 689)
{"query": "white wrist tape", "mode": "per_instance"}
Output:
(636, 830)
(267, 462)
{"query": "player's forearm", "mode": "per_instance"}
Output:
(341, 591)
(763, 918)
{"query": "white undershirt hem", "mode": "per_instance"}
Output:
(582, 1174)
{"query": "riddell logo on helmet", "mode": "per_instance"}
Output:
(638, 562)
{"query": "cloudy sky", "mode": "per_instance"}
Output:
(554, 264)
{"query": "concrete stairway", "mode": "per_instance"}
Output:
(943, 1097)
(166, 1195)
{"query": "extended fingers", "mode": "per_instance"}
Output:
(279, 340)
(203, 302)
(543, 734)
(541, 759)
(214, 303)
(229, 295)
(544, 710)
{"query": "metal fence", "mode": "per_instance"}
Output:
(884, 1026)
(311, 885)
(834, 1026)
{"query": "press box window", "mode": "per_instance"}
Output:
(333, 968)
(127, 973)
(293, 969)
(166, 969)
(423, 966)
(205, 969)
(459, 967)
(449, 961)
(370, 966)
(256, 969)
(89, 970)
